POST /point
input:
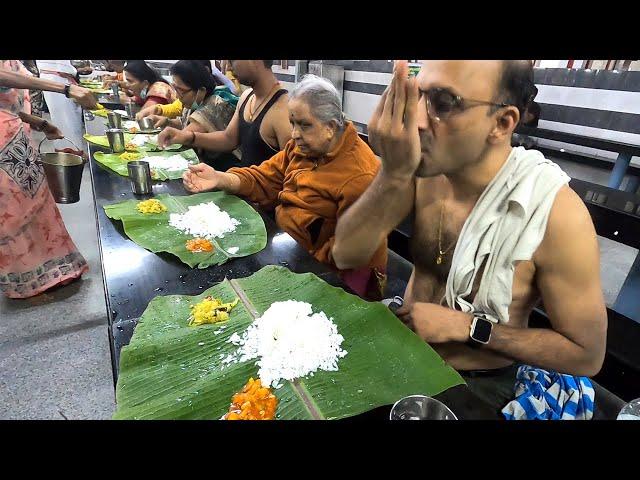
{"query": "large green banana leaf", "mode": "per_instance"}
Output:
(153, 232)
(173, 371)
(113, 162)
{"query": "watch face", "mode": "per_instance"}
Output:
(482, 330)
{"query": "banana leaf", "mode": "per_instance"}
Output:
(173, 371)
(154, 233)
(97, 89)
(113, 162)
(101, 112)
(128, 125)
(102, 141)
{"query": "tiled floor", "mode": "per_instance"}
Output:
(54, 349)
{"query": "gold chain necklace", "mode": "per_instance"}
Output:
(251, 114)
(440, 252)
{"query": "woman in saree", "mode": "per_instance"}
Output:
(36, 251)
(146, 85)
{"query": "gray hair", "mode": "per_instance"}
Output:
(322, 97)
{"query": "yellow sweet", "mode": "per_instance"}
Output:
(129, 156)
(210, 310)
(151, 206)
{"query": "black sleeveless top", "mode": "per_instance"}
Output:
(254, 149)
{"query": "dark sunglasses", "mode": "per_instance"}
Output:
(442, 103)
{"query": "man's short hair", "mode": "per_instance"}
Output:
(516, 86)
(268, 63)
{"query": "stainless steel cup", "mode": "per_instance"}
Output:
(146, 124)
(115, 89)
(140, 176)
(116, 140)
(131, 109)
(420, 407)
(114, 120)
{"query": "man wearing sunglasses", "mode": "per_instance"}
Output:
(496, 229)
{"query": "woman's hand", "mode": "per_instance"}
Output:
(83, 96)
(147, 111)
(171, 135)
(200, 178)
(158, 121)
(52, 132)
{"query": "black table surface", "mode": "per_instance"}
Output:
(133, 276)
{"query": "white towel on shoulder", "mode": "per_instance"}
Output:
(506, 225)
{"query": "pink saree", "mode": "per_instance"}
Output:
(36, 251)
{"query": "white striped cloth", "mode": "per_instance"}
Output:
(543, 395)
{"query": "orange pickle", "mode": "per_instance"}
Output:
(253, 402)
(198, 244)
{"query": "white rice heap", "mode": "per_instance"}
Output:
(172, 163)
(233, 250)
(204, 220)
(289, 341)
(129, 124)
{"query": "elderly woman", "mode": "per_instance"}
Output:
(146, 85)
(322, 170)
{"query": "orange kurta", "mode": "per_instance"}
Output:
(309, 196)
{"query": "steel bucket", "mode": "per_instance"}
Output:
(64, 174)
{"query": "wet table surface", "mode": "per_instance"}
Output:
(133, 276)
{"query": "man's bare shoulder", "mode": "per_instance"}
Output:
(244, 95)
(281, 106)
(279, 111)
(569, 226)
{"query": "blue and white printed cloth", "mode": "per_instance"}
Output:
(543, 395)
